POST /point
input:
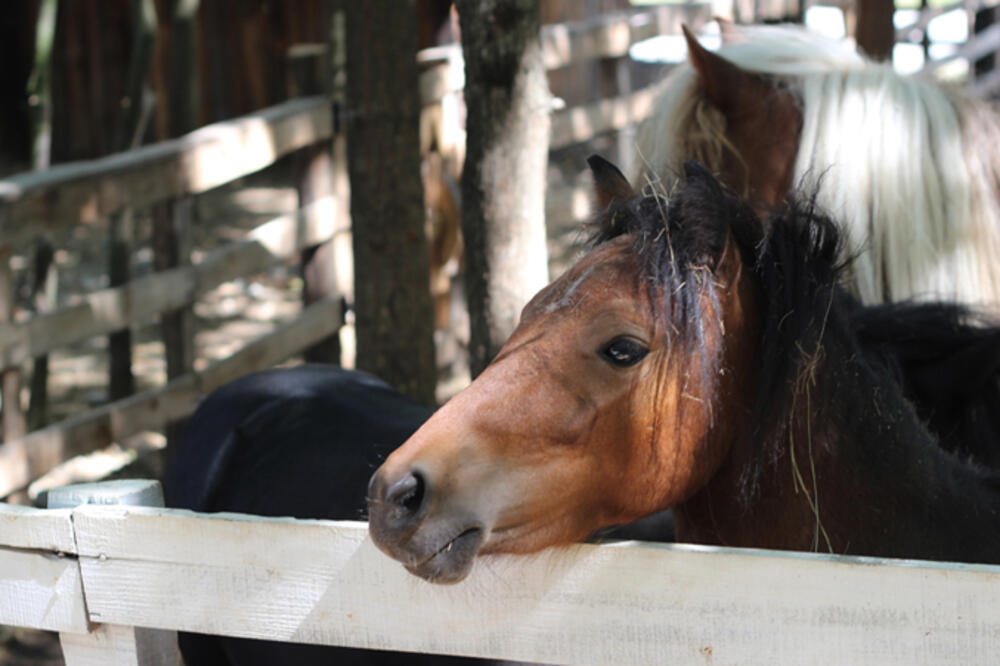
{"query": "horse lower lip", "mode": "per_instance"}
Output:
(452, 562)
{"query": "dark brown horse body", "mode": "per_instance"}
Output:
(690, 360)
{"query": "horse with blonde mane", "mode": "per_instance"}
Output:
(907, 165)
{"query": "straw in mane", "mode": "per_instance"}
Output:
(910, 167)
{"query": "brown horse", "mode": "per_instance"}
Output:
(908, 166)
(690, 360)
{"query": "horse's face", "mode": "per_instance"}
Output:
(588, 417)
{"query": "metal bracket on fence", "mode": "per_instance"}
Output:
(112, 644)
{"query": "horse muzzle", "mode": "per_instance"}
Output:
(439, 546)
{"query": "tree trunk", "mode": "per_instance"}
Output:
(875, 32)
(503, 181)
(394, 317)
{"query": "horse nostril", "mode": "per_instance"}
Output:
(407, 494)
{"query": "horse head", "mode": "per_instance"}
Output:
(742, 124)
(616, 396)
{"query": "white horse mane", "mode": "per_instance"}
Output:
(905, 165)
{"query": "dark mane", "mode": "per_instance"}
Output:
(676, 238)
(679, 237)
(907, 351)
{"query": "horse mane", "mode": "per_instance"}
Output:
(675, 245)
(795, 256)
(916, 190)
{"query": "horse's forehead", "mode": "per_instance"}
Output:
(609, 268)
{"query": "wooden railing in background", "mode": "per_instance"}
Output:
(171, 173)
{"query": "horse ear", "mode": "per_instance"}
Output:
(705, 212)
(725, 85)
(610, 185)
(730, 32)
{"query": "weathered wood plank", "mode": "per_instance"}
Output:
(323, 582)
(41, 590)
(116, 645)
(583, 123)
(107, 310)
(27, 527)
(27, 458)
(611, 35)
(77, 192)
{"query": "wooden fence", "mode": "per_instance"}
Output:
(170, 174)
(96, 573)
(174, 171)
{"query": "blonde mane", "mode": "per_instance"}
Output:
(908, 167)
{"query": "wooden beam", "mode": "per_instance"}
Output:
(29, 457)
(610, 36)
(41, 590)
(325, 583)
(30, 528)
(107, 310)
(76, 192)
(39, 586)
(583, 123)
(113, 645)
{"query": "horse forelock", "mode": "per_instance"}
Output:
(797, 265)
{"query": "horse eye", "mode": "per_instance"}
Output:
(623, 352)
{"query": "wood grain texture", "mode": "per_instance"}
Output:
(610, 36)
(27, 458)
(41, 590)
(107, 310)
(78, 192)
(584, 123)
(27, 527)
(116, 645)
(324, 582)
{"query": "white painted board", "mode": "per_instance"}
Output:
(42, 591)
(27, 527)
(324, 582)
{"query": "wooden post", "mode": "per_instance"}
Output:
(44, 296)
(14, 422)
(875, 33)
(111, 644)
(121, 382)
(315, 171)
(128, 135)
(172, 248)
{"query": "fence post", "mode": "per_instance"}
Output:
(172, 248)
(44, 296)
(316, 175)
(14, 423)
(121, 382)
(111, 644)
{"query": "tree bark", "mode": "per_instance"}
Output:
(394, 317)
(503, 181)
(875, 32)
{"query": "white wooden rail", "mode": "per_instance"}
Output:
(77, 570)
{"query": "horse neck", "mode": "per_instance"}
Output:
(855, 472)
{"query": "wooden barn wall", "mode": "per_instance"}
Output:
(583, 82)
(240, 48)
(17, 47)
(89, 63)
